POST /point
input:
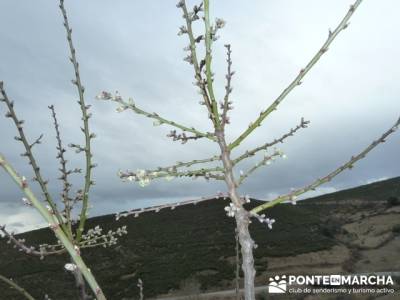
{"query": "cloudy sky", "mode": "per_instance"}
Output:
(350, 97)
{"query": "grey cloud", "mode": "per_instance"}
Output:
(350, 97)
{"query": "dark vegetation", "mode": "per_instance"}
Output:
(165, 248)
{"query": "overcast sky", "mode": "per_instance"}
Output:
(350, 97)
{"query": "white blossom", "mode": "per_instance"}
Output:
(70, 267)
(231, 210)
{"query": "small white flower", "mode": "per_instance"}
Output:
(247, 198)
(70, 267)
(144, 182)
(269, 222)
(231, 210)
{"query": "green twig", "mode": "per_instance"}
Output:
(85, 129)
(193, 54)
(29, 154)
(265, 161)
(297, 81)
(144, 176)
(64, 173)
(330, 176)
(303, 124)
(159, 120)
(73, 251)
(17, 287)
(209, 75)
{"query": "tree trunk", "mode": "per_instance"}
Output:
(237, 278)
(80, 285)
(242, 221)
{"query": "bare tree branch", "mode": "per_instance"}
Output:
(15, 286)
(48, 216)
(30, 250)
(137, 211)
(348, 165)
(297, 81)
(265, 161)
(227, 105)
(144, 176)
(28, 152)
(124, 105)
(64, 172)
(85, 118)
(303, 124)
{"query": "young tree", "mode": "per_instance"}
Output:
(218, 115)
(72, 239)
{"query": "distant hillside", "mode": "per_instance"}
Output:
(166, 249)
(376, 191)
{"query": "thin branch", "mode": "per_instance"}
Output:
(144, 176)
(15, 286)
(28, 152)
(73, 251)
(124, 105)
(85, 129)
(227, 105)
(265, 161)
(187, 164)
(64, 171)
(209, 75)
(297, 81)
(30, 250)
(189, 18)
(303, 124)
(348, 165)
(136, 212)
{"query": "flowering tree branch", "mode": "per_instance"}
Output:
(64, 172)
(297, 81)
(124, 105)
(92, 238)
(144, 177)
(227, 104)
(72, 249)
(85, 118)
(348, 165)
(204, 81)
(28, 151)
(303, 124)
(136, 212)
(267, 159)
(20, 244)
(190, 17)
(209, 36)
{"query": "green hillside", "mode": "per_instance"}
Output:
(166, 248)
